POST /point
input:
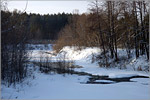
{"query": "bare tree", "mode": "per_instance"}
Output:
(96, 10)
(13, 48)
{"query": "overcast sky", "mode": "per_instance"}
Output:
(51, 7)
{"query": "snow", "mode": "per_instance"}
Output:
(64, 86)
(84, 54)
(39, 46)
(83, 58)
(56, 86)
(108, 81)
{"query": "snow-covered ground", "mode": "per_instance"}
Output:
(84, 59)
(58, 86)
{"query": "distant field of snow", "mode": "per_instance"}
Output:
(86, 54)
(39, 46)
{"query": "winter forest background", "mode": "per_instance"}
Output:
(111, 26)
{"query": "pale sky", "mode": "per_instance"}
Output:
(51, 7)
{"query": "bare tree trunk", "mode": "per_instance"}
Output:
(101, 34)
(142, 43)
(113, 32)
(110, 42)
(135, 29)
(127, 31)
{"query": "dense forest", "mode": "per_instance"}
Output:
(47, 26)
(38, 26)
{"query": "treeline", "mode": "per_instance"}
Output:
(46, 26)
(40, 27)
(110, 25)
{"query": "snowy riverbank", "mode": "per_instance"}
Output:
(66, 86)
